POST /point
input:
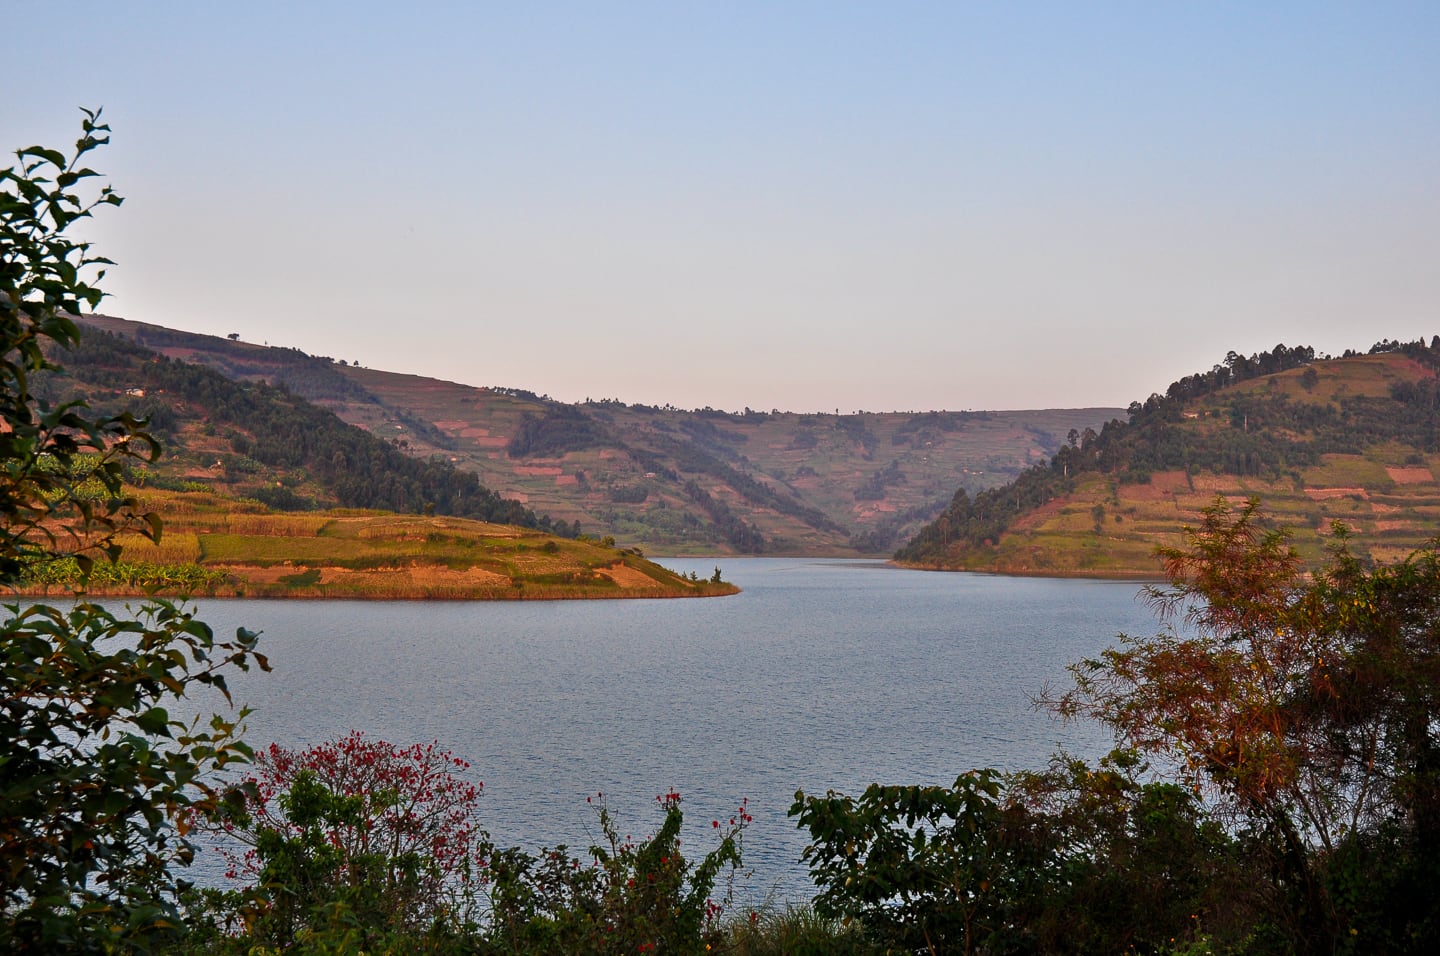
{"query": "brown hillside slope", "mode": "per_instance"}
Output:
(668, 480)
(1386, 492)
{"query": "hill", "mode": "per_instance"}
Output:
(218, 546)
(665, 479)
(1354, 439)
(255, 440)
(253, 487)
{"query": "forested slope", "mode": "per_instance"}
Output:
(264, 442)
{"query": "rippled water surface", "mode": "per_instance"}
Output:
(820, 675)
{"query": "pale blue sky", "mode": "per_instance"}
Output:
(797, 205)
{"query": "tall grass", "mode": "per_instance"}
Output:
(268, 550)
(175, 547)
(795, 931)
(279, 525)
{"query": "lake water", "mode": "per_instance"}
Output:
(822, 674)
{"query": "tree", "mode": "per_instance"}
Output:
(1075, 859)
(96, 776)
(628, 897)
(1378, 713)
(923, 868)
(1215, 695)
(49, 453)
(1308, 708)
(385, 835)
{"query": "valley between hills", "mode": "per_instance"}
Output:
(449, 490)
(666, 480)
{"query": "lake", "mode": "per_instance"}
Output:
(821, 674)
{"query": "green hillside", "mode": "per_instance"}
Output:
(664, 479)
(1354, 439)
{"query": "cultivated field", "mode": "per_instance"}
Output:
(215, 546)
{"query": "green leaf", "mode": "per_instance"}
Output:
(154, 721)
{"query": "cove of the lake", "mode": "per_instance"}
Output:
(821, 674)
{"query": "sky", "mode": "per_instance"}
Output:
(803, 206)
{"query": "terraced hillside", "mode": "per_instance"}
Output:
(1354, 439)
(217, 546)
(665, 479)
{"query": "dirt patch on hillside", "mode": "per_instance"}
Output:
(627, 577)
(1411, 475)
(1162, 486)
(483, 438)
(271, 575)
(1216, 484)
(478, 576)
(1170, 481)
(1039, 516)
(426, 577)
(1324, 494)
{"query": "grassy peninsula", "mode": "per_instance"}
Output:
(219, 547)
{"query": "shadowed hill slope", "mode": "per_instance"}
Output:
(260, 441)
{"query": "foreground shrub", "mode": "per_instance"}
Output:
(796, 931)
(1073, 860)
(1133, 864)
(918, 867)
(355, 840)
(95, 770)
(358, 845)
(1306, 708)
(628, 897)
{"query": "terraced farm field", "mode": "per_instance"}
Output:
(214, 546)
(1361, 454)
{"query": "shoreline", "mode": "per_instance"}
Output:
(1121, 575)
(704, 589)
